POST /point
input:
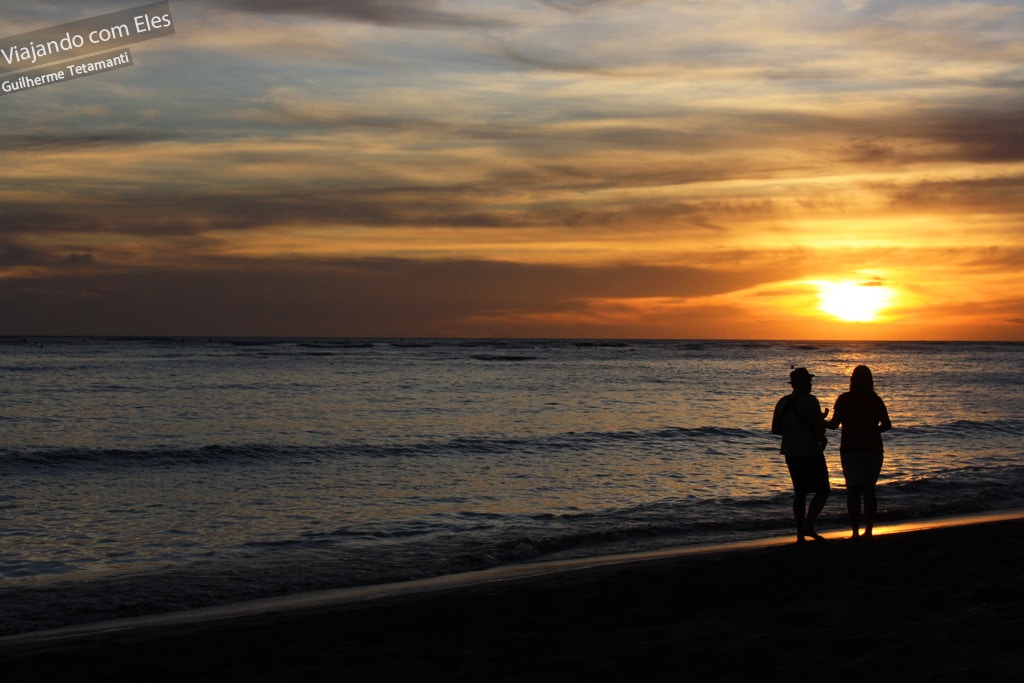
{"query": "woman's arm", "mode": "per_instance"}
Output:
(836, 417)
(884, 423)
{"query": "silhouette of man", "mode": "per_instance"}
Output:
(800, 422)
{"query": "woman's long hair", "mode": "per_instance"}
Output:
(862, 380)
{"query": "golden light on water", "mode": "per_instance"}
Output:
(850, 301)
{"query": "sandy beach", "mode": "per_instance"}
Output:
(942, 604)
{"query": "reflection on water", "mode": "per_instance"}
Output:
(121, 454)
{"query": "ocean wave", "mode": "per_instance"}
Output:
(961, 428)
(99, 457)
(455, 446)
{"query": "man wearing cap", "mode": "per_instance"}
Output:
(798, 418)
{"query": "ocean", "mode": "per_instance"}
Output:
(155, 474)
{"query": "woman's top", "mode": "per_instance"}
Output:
(864, 417)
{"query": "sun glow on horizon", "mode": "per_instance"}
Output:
(854, 302)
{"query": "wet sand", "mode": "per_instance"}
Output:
(943, 604)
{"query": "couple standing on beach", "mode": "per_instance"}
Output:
(863, 417)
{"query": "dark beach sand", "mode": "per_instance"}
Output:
(936, 605)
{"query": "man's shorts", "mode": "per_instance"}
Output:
(809, 473)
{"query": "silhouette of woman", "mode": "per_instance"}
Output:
(863, 417)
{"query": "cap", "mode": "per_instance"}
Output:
(799, 376)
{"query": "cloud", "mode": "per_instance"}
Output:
(14, 254)
(574, 163)
(574, 5)
(71, 140)
(75, 260)
(402, 13)
(997, 196)
(982, 135)
(574, 64)
(342, 297)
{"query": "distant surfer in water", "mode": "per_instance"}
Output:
(863, 416)
(800, 422)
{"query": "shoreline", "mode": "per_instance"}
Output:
(925, 600)
(517, 572)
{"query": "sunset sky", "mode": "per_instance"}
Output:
(813, 169)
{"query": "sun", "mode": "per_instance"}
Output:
(854, 302)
